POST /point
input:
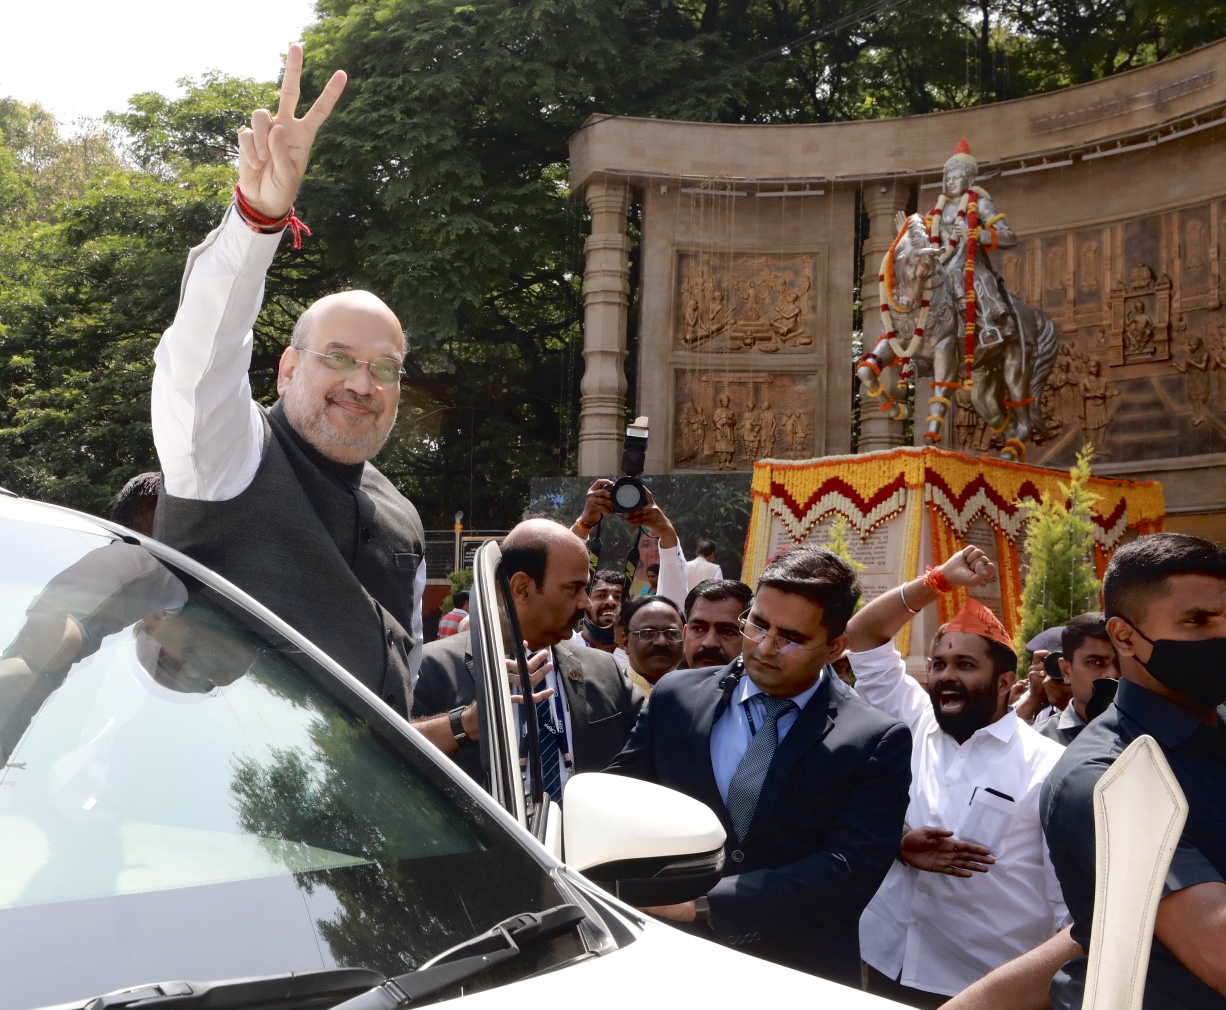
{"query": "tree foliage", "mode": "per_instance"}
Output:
(1059, 580)
(440, 183)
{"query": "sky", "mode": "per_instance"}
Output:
(87, 57)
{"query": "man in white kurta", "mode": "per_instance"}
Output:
(938, 929)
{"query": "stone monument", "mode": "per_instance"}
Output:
(1098, 300)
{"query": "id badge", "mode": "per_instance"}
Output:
(987, 818)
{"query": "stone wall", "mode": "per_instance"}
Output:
(1116, 189)
(745, 348)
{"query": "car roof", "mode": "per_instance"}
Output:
(30, 511)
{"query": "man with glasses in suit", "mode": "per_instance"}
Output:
(809, 782)
(654, 628)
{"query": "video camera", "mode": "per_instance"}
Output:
(629, 494)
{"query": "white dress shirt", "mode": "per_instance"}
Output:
(942, 932)
(672, 580)
(699, 570)
(731, 735)
(208, 431)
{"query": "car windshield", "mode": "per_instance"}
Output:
(184, 795)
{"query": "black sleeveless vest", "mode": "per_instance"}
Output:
(332, 549)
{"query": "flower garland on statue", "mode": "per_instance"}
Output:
(885, 287)
(968, 213)
(885, 291)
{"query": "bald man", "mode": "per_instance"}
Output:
(283, 502)
(585, 704)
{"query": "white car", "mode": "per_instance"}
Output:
(198, 808)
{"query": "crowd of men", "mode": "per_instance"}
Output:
(923, 840)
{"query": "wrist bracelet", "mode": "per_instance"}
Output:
(266, 225)
(935, 581)
(902, 595)
(584, 526)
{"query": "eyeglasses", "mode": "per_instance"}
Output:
(647, 634)
(384, 372)
(782, 645)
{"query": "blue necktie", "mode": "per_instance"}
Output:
(551, 770)
(750, 774)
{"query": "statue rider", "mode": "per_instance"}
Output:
(962, 212)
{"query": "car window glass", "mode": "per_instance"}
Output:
(173, 767)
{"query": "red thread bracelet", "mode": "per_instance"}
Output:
(935, 581)
(267, 225)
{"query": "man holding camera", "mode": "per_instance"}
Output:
(598, 503)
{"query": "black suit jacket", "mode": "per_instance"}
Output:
(603, 703)
(826, 829)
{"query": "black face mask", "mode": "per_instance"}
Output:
(1101, 697)
(1194, 670)
(596, 633)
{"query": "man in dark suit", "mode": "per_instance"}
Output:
(587, 707)
(809, 781)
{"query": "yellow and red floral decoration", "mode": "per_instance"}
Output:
(952, 490)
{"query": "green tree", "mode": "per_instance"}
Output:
(440, 183)
(92, 280)
(459, 580)
(1059, 579)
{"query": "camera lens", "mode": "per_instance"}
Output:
(629, 495)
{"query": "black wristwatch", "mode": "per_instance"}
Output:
(702, 909)
(456, 718)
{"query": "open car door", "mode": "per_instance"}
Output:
(645, 843)
(496, 639)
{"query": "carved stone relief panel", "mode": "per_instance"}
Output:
(1196, 267)
(725, 420)
(1141, 373)
(1141, 318)
(745, 303)
(1089, 267)
(1011, 271)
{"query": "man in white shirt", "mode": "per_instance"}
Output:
(702, 567)
(283, 502)
(973, 885)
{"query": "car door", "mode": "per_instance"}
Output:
(513, 772)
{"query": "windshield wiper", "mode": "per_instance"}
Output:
(300, 988)
(469, 959)
(370, 989)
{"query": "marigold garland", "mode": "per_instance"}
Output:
(952, 491)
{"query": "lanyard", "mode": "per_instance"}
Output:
(555, 725)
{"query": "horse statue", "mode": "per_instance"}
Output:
(945, 310)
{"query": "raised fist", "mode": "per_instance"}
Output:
(969, 567)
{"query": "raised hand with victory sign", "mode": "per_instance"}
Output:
(274, 150)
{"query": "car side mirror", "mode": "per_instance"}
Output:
(643, 843)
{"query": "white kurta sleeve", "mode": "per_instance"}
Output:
(672, 580)
(207, 430)
(419, 633)
(882, 681)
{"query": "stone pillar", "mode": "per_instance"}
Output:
(881, 202)
(606, 296)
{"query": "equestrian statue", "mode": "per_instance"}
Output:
(945, 310)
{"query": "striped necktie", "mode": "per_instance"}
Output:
(750, 774)
(551, 766)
